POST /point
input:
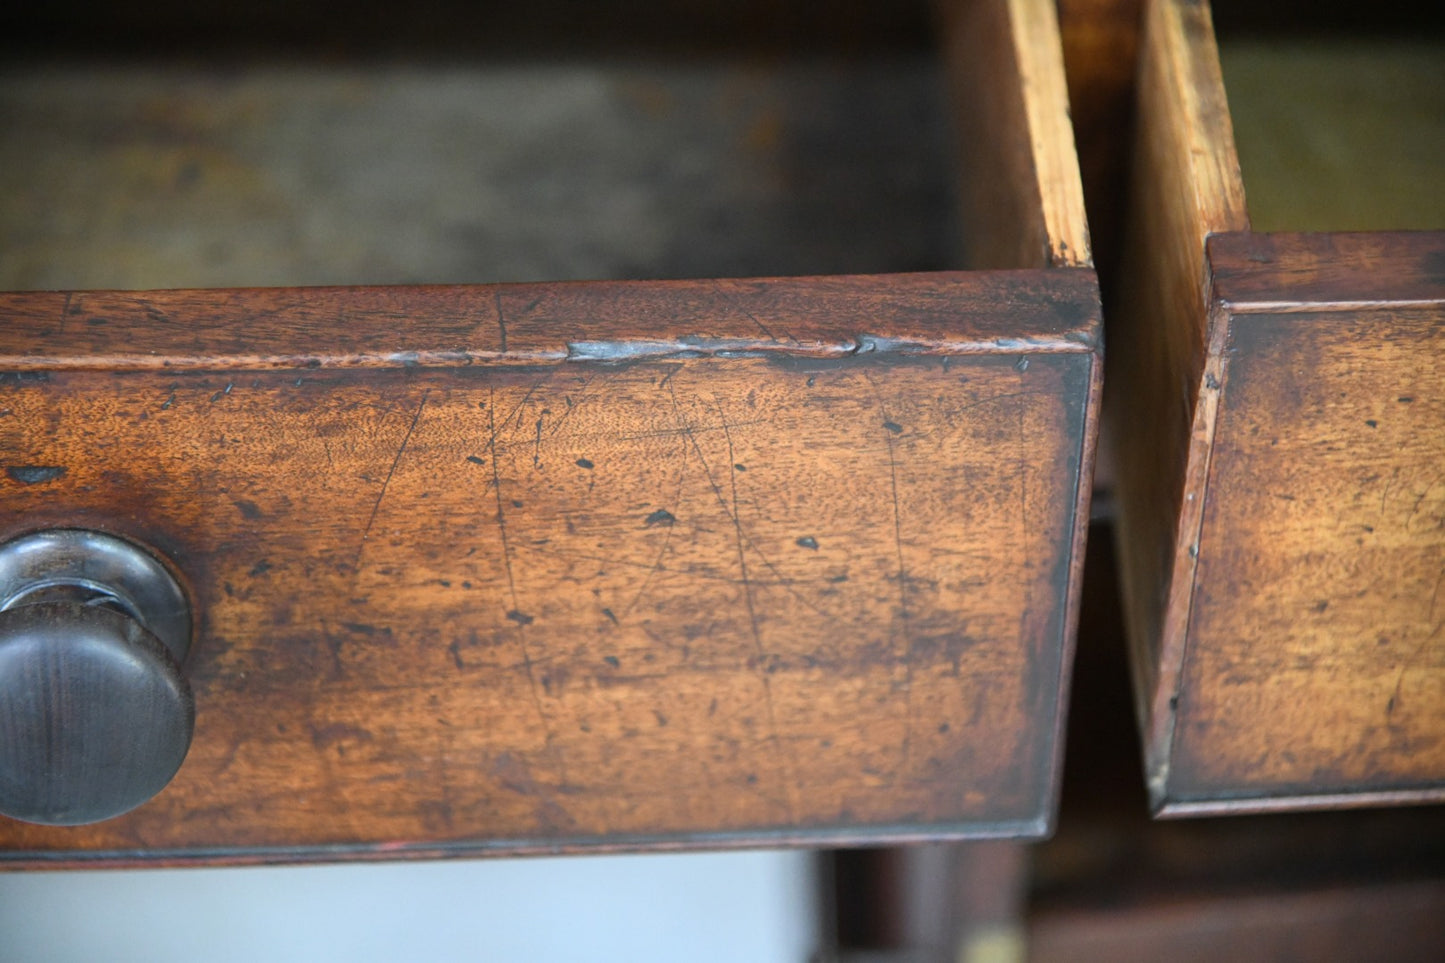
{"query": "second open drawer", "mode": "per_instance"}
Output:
(1279, 406)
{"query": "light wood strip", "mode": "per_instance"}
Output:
(1186, 185)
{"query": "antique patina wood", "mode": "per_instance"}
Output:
(1315, 667)
(541, 567)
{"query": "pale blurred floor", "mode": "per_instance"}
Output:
(757, 907)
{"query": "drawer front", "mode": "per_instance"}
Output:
(1316, 661)
(511, 580)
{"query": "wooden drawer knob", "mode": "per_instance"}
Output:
(95, 712)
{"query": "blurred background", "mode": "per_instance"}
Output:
(169, 144)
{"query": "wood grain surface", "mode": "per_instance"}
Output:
(551, 567)
(1315, 666)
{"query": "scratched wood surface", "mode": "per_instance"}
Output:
(531, 568)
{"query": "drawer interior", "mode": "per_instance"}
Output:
(1341, 128)
(663, 140)
(179, 174)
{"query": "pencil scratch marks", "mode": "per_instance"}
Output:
(657, 565)
(728, 297)
(891, 428)
(376, 506)
(520, 621)
(787, 766)
(501, 319)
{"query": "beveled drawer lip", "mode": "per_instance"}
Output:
(1294, 271)
(896, 834)
(1183, 807)
(1022, 311)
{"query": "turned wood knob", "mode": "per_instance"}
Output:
(95, 711)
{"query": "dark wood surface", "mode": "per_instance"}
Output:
(1286, 648)
(534, 568)
(1100, 40)
(527, 568)
(1113, 883)
(1266, 273)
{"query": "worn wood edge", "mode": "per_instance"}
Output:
(1073, 597)
(946, 313)
(1168, 808)
(1204, 122)
(1039, 51)
(1183, 583)
(1238, 308)
(998, 201)
(1306, 272)
(1186, 187)
(1036, 827)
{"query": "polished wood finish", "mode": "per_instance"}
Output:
(1285, 651)
(600, 565)
(544, 567)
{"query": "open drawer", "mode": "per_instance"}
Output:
(1279, 402)
(534, 567)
